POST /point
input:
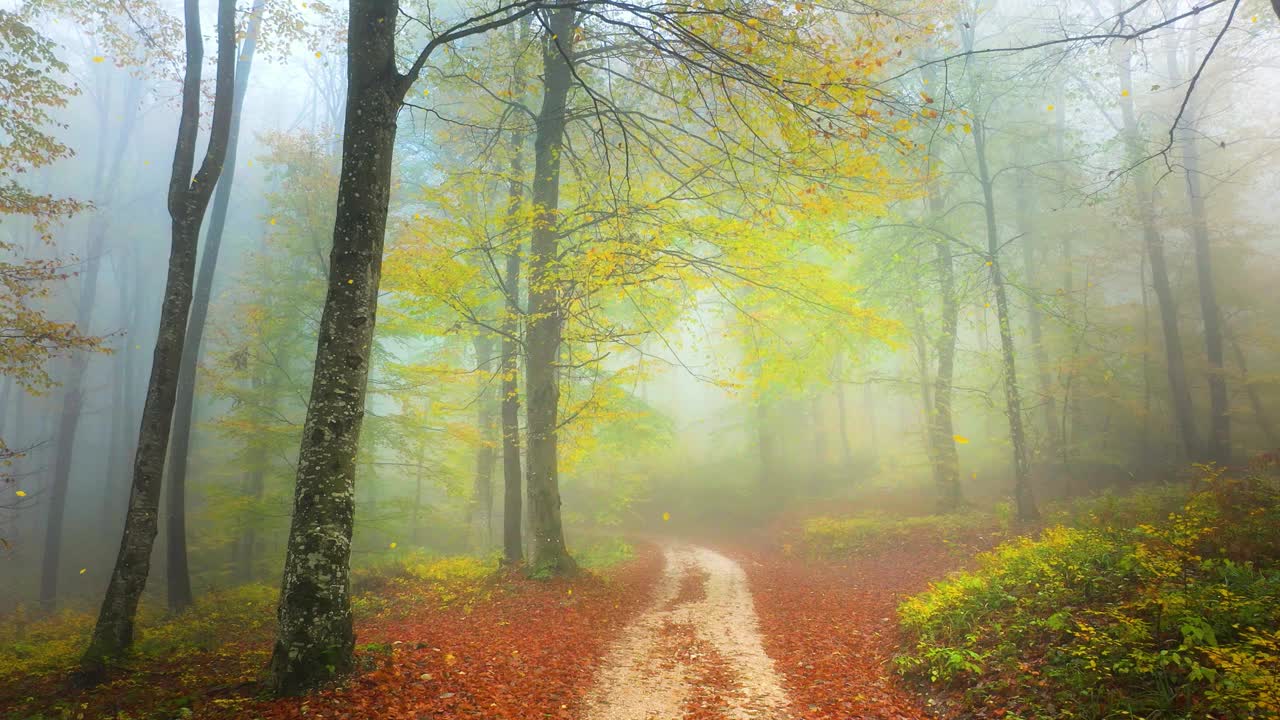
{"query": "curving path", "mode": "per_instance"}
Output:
(695, 652)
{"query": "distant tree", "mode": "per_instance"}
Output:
(29, 337)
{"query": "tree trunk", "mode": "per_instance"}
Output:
(481, 515)
(316, 638)
(509, 402)
(842, 416)
(1219, 447)
(1179, 389)
(819, 478)
(512, 500)
(546, 312)
(1260, 415)
(946, 468)
(1024, 497)
(105, 183)
(1048, 400)
(179, 575)
(68, 424)
(764, 440)
(188, 199)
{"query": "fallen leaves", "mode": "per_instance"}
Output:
(526, 650)
(831, 629)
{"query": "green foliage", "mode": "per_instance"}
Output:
(1171, 618)
(441, 580)
(603, 553)
(834, 537)
(33, 646)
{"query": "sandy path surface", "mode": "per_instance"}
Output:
(696, 652)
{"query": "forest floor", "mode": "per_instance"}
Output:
(682, 631)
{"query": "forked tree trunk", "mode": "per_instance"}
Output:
(546, 311)
(179, 576)
(188, 199)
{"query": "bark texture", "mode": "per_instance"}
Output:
(188, 199)
(315, 638)
(546, 311)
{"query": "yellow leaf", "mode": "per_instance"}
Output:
(666, 516)
(98, 58)
(392, 546)
(1124, 93)
(960, 439)
(968, 128)
(273, 221)
(21, 493)
(1050, 108)
(84, 570)
(319, 54)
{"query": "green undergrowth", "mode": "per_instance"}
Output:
(33, 644)
(837, 537)
(1161, 604)
(237, 620)
(603, 553)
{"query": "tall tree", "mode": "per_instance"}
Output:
(188, 198)
(481, 510)
(1179, 388)
(106, 180)
(546, 312)
(1218, 448)
(179, 576)
(1024, 496)
(315, 638)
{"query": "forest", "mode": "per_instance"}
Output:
(639, 360)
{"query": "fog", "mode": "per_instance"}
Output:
(901, 258)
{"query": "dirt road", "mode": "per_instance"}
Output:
(696, 652)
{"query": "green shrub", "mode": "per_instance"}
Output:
(1175, 618)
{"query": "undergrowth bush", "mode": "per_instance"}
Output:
(1117, 617)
